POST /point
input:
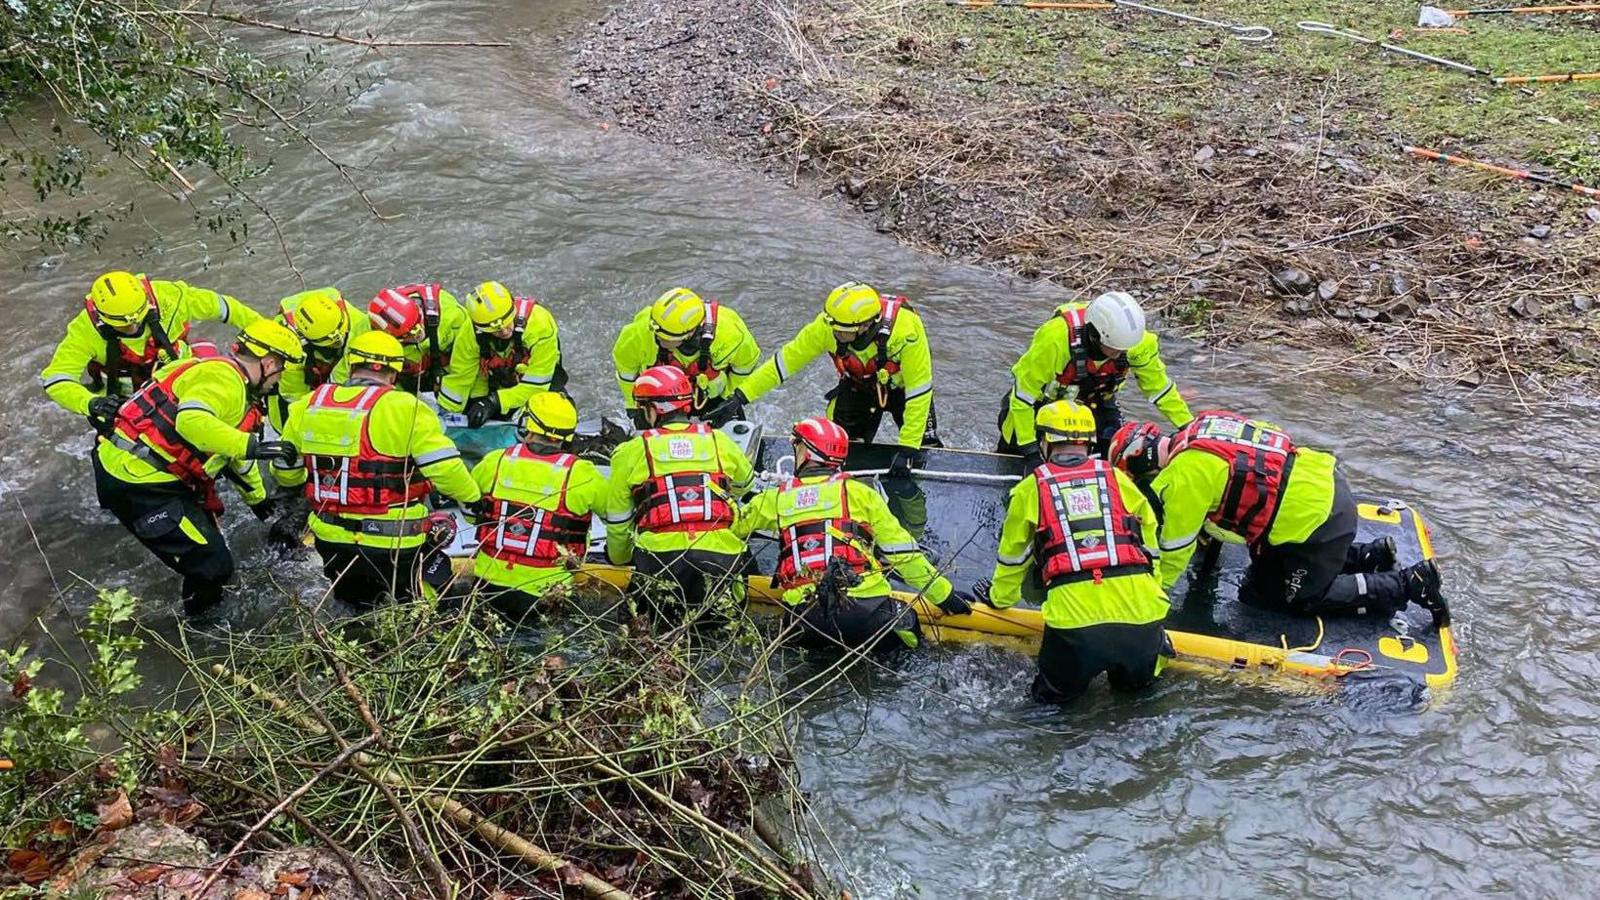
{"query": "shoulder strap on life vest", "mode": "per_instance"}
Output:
(708, 335)
(524, 307)
(427, 296)
(890, 312)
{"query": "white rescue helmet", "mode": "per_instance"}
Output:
(1118, 320)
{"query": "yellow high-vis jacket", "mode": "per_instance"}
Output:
(69, 379)
(716, 370)
(800, 505)
(387, 426)
(656, 489)
(1133, 599)
(1036, 377)
(908, 366)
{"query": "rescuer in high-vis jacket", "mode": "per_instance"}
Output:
(373, 453)
(539, 500)
(705, 339)
(516, 349)
(1244, 481)
(195, 419)
(1084, 353)
(325, 324)
(880, 349)
(129, 325)
(822, 515)
(1088, 532)
(672, 502)
(432, 327)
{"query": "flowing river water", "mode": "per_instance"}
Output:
(939, 781)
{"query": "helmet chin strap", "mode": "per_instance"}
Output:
(1091, 342)
(869, 332)
(1061, 452)
(544, 442)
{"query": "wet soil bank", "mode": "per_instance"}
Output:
(1216, 180)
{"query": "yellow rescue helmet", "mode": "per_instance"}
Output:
(120, 298)
(377, 348)
(1066, 421)
(548, 414)
(267, 337)
(677, 313)
(852, 305)
(490, 306)
(319, 316)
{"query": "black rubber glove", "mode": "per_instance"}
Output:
(290, 528)
(959, 603)
(900, 466)
(1031, 459)
(481, 410)
(726, 410)
(103, 413)
(281, 451)
(980, 591)
(479, 509)
(264, 509)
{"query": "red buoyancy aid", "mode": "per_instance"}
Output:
(1094, 378)
(703, 364)
(1085, 530)
(369, 483)
(865, 371)
(501, 368)
(121, 360)
(424, 373)
(149, 419)
(528, 535)
(1259, 458)
(805, 545)
(682, 501)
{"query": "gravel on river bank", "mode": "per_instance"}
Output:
(1244, 198)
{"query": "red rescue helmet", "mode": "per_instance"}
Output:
(664, 389)
(824, 438)
(394, 312)
(1135, 448)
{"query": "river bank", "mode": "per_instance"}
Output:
(1214, 179)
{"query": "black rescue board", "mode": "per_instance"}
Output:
(957, 523)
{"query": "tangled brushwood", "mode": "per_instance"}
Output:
(428, 752)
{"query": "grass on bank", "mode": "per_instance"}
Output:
(1192, 75)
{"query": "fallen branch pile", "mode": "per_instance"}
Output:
(591, 761)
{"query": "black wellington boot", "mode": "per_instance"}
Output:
(1375, 556)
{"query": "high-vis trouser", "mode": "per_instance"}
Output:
(856, 409)
(673, 584)
(1321, 576)
(858, 622)
(363, 576)
(168, 520)
(1071, 658)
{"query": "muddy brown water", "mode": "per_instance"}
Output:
(938, 781)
